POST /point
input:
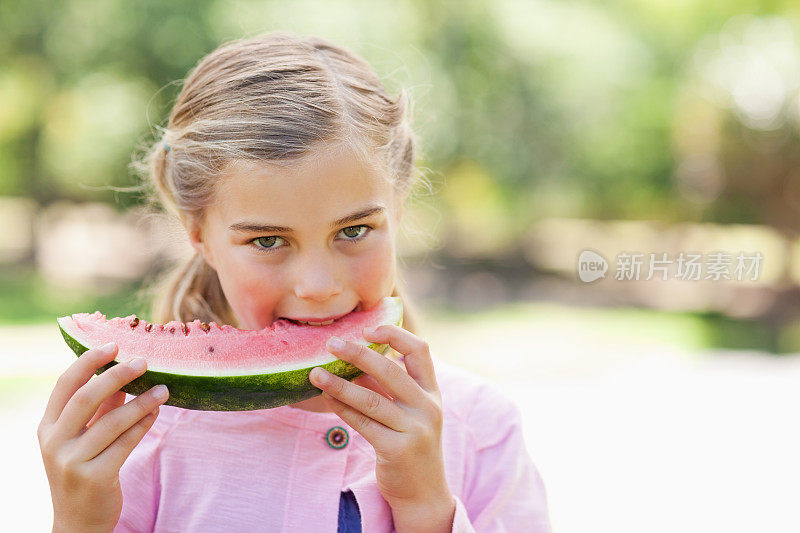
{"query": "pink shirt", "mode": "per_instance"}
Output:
(272, 470)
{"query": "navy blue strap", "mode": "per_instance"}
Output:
(349, 514)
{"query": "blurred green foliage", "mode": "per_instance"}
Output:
(570, 107)
(28, 298)
(609, 109)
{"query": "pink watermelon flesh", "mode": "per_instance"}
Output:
(225, 350)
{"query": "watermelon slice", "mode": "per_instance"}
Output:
(222, 368)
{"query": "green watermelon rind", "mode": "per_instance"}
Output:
(233, 393)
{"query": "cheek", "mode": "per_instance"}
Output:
(373, 273)
(250, 296)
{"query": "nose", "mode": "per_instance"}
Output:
(316, 279)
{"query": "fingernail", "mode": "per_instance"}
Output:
(336, 343)
(320, 375)
(160, 392)
(108, 348)
(137, 364)
(370, 330)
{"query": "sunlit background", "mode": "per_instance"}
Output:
(634, 135)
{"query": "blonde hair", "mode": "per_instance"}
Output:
(275, 98)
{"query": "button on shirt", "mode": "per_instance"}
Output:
(273, 470)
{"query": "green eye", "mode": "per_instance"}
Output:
(353, 232)
(265, 243)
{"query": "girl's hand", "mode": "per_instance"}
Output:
(399, 413)
(86, 434)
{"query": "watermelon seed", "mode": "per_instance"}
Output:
(205, 327)
(172, 330)
(148, 327)
(210, 348)
(134, 322)
(185, 328)
(285, 342)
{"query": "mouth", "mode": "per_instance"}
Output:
(320, 321)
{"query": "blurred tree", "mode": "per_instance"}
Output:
(79, 85)
(573, 108)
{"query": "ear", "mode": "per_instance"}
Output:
(195, 233)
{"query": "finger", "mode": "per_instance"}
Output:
(119, 450)
(372, 430)
(368, 402)
(73, 378)
(112, 402)
(415, 351)
(84, 403)
(389, 374)
(113, 424)
(368, 382)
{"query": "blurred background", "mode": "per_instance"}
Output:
(579, 152)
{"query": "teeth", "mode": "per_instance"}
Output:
(316, 323)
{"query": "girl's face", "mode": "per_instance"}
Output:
(310, 243)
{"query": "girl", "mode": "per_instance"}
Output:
(288, 165)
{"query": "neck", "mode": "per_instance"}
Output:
(315, 404)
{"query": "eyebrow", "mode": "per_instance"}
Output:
(255, 227)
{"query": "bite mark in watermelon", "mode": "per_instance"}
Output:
(222, 368)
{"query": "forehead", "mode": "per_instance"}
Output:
(320, 188)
